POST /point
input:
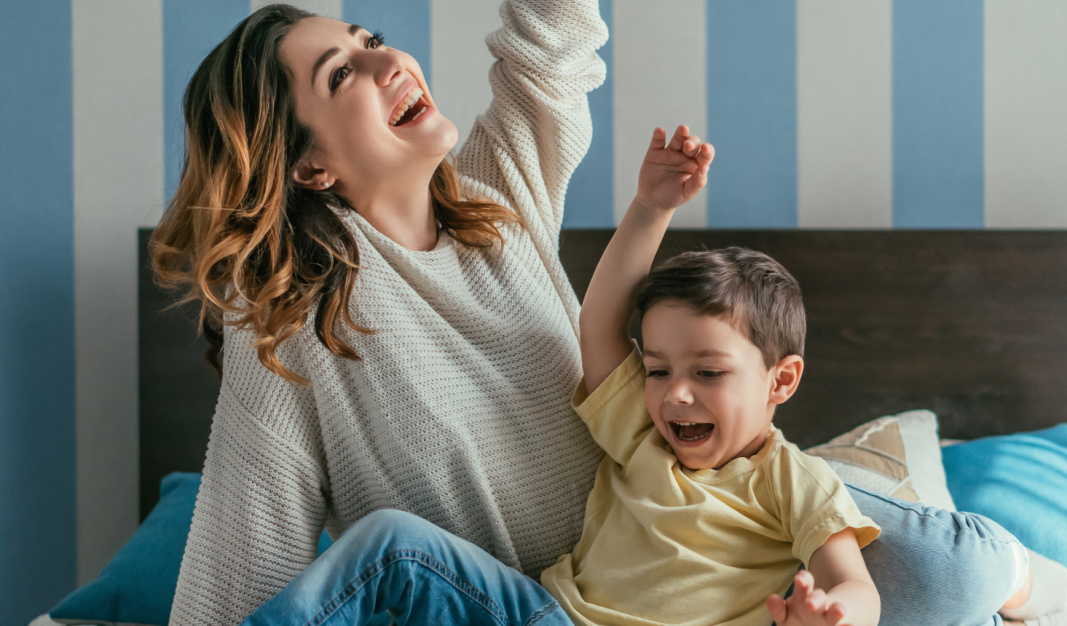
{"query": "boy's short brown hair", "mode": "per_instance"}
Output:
(750, 288)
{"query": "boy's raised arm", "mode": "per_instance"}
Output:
(671, 175)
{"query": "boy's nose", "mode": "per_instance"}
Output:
(678, 393)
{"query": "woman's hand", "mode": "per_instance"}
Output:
(672, 175)
(807, 606)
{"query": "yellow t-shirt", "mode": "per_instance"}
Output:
(663, 544)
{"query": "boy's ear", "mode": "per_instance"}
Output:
(787, 374)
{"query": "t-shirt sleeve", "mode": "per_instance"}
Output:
(615, 412)
(814, 503)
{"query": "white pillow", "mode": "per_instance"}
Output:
(898, 455)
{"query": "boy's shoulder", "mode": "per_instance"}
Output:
(788, 461)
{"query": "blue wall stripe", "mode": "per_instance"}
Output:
(191, 28)
(37, 427)
(938, 166)
(752, 113)
(405, 24)
(591, 195)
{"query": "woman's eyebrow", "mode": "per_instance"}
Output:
(326, 56)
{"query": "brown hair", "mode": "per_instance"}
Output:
(750, 288)
(240, 236)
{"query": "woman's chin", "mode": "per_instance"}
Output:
(448, 135)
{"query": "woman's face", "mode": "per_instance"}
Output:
(349, 90)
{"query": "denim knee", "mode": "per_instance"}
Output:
(937, 566)
(386, 530)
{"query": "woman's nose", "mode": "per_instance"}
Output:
(390, 68)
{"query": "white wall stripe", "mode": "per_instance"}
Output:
(844, 114)
(118, 186)
(461, 60)
(325, 8)
(1025, 114)
(659, 80)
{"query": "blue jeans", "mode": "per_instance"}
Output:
(931, 567)
(397, 562)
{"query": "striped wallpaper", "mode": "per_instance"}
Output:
(824, 113)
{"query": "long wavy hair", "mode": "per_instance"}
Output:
(241, 237)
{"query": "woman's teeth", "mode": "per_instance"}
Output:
(411, 99)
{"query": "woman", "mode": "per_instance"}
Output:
(395, 336)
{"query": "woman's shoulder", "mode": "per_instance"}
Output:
(276, 403)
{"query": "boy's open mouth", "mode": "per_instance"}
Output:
(691, 431)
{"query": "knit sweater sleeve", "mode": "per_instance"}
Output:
(537, 129)
(261, 507)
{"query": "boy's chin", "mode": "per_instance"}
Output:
(699, 461)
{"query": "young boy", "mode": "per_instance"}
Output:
(702, 512)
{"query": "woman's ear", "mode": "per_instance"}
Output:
(787, 374)
(311, 177)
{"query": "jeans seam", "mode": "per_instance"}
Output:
(541, 613)
(893, 502)
(934, 518)
(419, 558)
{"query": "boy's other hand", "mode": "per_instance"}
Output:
(672, 174)
(807, 606)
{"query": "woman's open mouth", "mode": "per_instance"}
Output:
(410, 109)
(691, 431)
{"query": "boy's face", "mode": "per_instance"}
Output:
(707, 388)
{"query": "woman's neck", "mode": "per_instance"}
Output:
(406, 218)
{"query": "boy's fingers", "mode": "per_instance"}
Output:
(691, 146)
(803, 582)
(816, 600)
(835, 614)
(680, 135)
(777, 607)
(659, 135)
(696, 182)
(705, 156)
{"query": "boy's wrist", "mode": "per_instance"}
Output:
(644, 206)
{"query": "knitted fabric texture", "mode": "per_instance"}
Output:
(459, 410)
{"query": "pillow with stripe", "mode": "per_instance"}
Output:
(898, 455)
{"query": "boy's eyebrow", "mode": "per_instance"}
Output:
(698, 353)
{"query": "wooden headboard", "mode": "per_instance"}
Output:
(969, 324)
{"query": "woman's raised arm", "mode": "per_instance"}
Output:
(537, 129)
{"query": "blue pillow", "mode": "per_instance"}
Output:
(1020, 481)
(137, 586)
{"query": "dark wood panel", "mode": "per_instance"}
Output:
(969, 324)
(178, 389)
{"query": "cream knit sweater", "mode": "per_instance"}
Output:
(460, 409)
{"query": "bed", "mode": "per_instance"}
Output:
(971, 325)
